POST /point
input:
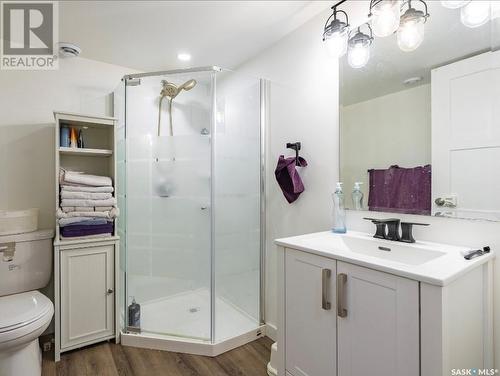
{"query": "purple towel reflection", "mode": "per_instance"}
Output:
(401, 190)
(288, 177)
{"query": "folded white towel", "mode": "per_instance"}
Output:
(102, 208)
(84, 208)
(113, 213)
(86, 195)
(77, 202)
(75, 177)
(68, 209)
(85, 188)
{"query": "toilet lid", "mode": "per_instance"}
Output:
(22, 309)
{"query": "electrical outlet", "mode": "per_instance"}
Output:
(46, 346)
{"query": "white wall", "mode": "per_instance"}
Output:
(303, 107)
(27, 99)
(384, 131)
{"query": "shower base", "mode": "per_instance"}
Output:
(181, 323)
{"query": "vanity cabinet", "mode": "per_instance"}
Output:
(372, 315)
(310, 314)
(337, 316)
(377, 322)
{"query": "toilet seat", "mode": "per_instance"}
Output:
(23, 313)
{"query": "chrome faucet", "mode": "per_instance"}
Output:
(389, 229)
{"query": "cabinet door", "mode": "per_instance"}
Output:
(310, 318)
(87, 295)
(378, 334)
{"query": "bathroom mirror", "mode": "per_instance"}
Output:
(420, 130)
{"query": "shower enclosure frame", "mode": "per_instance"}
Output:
(195, 346)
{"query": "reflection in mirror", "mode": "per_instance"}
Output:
(420, 129)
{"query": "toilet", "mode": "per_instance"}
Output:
(25, 313)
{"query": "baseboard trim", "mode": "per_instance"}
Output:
(272, 331)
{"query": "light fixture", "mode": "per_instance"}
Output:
(454, 4)
(476, 13)
(336, 32)
(384, 16)
(410, 34)
(359, 48)
(183, 56)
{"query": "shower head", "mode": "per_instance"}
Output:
(171, 90)
(188, 85)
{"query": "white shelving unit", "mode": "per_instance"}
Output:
(86, 275)
(86, 152)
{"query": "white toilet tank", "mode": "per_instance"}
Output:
(25, 261)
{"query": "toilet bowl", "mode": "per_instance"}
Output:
(24, 317)
(25, 313)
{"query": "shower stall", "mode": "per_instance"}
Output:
(190, 152)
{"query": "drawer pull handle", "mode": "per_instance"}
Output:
(325, 281)
(341, 281)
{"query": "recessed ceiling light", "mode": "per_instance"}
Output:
(412, 80)
(184, 57)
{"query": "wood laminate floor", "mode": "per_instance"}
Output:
(109, 359)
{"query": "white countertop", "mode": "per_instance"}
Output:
(439, 271)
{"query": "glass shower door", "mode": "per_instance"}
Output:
(168, 180)
(237, 208)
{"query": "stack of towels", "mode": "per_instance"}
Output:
(87, 207)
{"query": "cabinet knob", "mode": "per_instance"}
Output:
(110, 291)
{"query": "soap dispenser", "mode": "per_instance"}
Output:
(357, 196)
(338, 210)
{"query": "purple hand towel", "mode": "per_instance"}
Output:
(401, 190)
(84, 230)
(288, 177)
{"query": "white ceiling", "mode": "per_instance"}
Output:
(446, 40)
(148, 35)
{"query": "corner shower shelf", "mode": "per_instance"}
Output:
(86, 152)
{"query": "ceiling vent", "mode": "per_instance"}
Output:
(412, 80)
(69, 50)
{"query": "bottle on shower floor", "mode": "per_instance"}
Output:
(134, 314)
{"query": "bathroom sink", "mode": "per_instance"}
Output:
(434, 263)
(399, 252)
